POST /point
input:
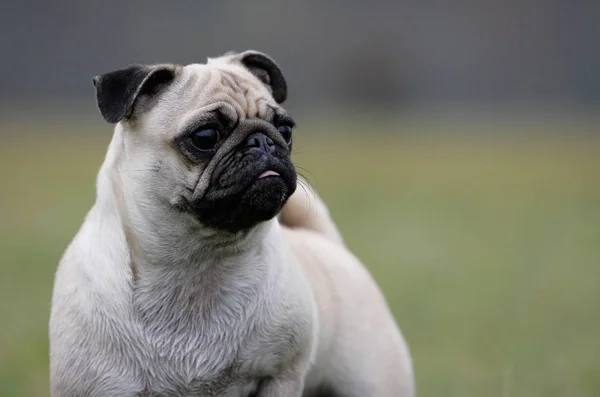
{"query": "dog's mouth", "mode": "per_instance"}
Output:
(268, 173)
(274, 179)
(241, 197)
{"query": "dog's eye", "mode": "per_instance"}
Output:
(286, 132)
(205, 139)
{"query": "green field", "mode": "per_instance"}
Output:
(488, 250)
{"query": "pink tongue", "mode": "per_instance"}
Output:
(267, 173)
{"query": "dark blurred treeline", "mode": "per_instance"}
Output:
(345, 52)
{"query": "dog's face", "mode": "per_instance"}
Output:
(209, 141)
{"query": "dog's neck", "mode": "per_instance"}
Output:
(177, 283)
(205, 288)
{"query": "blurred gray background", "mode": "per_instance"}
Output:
(403, 54)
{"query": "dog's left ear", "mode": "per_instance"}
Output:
(266, 70)
(118, 92)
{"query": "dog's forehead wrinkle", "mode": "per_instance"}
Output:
(218, 111)
(244, 89)
(237, 91)
(229, 113)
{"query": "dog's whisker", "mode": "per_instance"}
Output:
(308, 189)
(311, 196)
(304, 172)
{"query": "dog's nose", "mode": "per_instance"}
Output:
(261, 141)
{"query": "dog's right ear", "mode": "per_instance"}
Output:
(117, 92)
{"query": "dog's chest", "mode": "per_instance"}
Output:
(223, 362)
(217, 345)
(220, 388)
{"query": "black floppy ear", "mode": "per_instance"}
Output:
(117, 91)
(267, 71)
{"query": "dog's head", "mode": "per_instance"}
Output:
(209, 140)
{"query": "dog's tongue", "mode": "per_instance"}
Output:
(268, 173)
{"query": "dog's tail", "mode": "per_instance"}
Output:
(305, 209)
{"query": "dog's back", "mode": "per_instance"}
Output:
(351, 309)
(306, 210)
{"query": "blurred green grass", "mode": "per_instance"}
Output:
(488, 250)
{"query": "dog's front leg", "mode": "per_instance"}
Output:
(287, 386)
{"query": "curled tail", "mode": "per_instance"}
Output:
(305, 209)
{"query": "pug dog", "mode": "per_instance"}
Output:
(203, 269)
